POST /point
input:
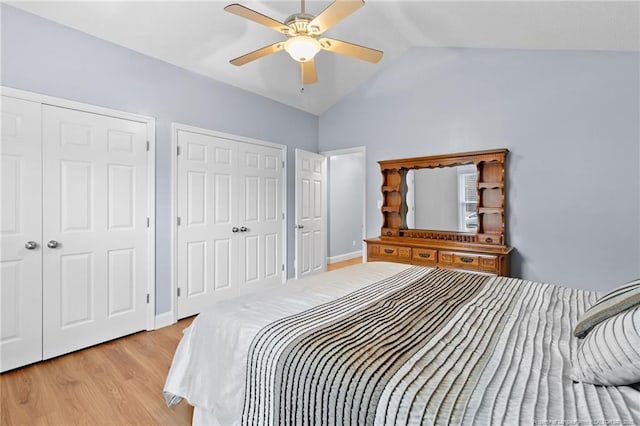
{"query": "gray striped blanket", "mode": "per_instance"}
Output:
(429, 347)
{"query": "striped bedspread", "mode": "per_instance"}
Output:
(430, 347)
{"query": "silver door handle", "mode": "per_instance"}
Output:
(234, 229)
(52, 244)
(31, 245)
(243, 229)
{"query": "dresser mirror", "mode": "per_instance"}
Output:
(444, 211)
(441, 198)
(458, 198)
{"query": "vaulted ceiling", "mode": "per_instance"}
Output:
(202, 37)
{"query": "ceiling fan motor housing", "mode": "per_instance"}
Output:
(299, 24)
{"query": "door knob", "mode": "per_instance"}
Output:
(52, 244)
(243, 229)
(299, 226)
(234, 229)
(31, 245)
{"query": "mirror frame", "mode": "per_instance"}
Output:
(490, 166)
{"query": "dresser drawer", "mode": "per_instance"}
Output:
(388, 251)
(465, 260)
(373, 250)
(404, 253)
(490, 239)
(395, 252)
(489, 263)
(423, 256)
(445, 258)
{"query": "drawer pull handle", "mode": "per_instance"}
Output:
(489, 239)
(388, 251)
(466, 259)
(424, 255)
(389, 233)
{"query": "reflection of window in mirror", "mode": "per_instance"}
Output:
(467, 199)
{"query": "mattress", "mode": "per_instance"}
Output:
(384, 343)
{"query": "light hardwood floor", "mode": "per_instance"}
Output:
(344, 263)
(115, 383)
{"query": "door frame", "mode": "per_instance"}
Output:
(175, 127)
(150, 123)
(355, 150)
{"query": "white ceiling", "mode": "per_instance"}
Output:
(202, 37)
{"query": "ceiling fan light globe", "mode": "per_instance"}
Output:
(302, 48)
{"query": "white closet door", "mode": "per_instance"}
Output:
(230, 218)
(260, 214)
(21, 223)
(311, 213)
(207, 208)
(94, 229)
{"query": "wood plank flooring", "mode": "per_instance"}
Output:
(115, 383)
(344, 263)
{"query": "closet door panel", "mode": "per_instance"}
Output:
(95, 228)
(21, 223)
(261, 213)
(207, 247)
(273, 217)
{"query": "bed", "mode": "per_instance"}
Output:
(386, 343)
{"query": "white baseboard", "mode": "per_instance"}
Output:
(164, 320)
(343, 257)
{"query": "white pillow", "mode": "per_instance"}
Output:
(617, 300)
(610, 353)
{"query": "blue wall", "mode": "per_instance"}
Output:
(570, 120)
(44, 57)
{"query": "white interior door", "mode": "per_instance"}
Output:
(230, 214)
(21, 234)
(311, 213)
(208, 233)
(260, 214)
(94, 228)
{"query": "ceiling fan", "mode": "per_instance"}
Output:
(303, 36)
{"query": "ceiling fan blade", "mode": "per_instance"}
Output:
(257, 54)
(252, 15)
(308, 70)
(350, 49)
(336, 12)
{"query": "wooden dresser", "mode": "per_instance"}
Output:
(479, 247)
(450, 257)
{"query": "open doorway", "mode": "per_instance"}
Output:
(346, 202)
